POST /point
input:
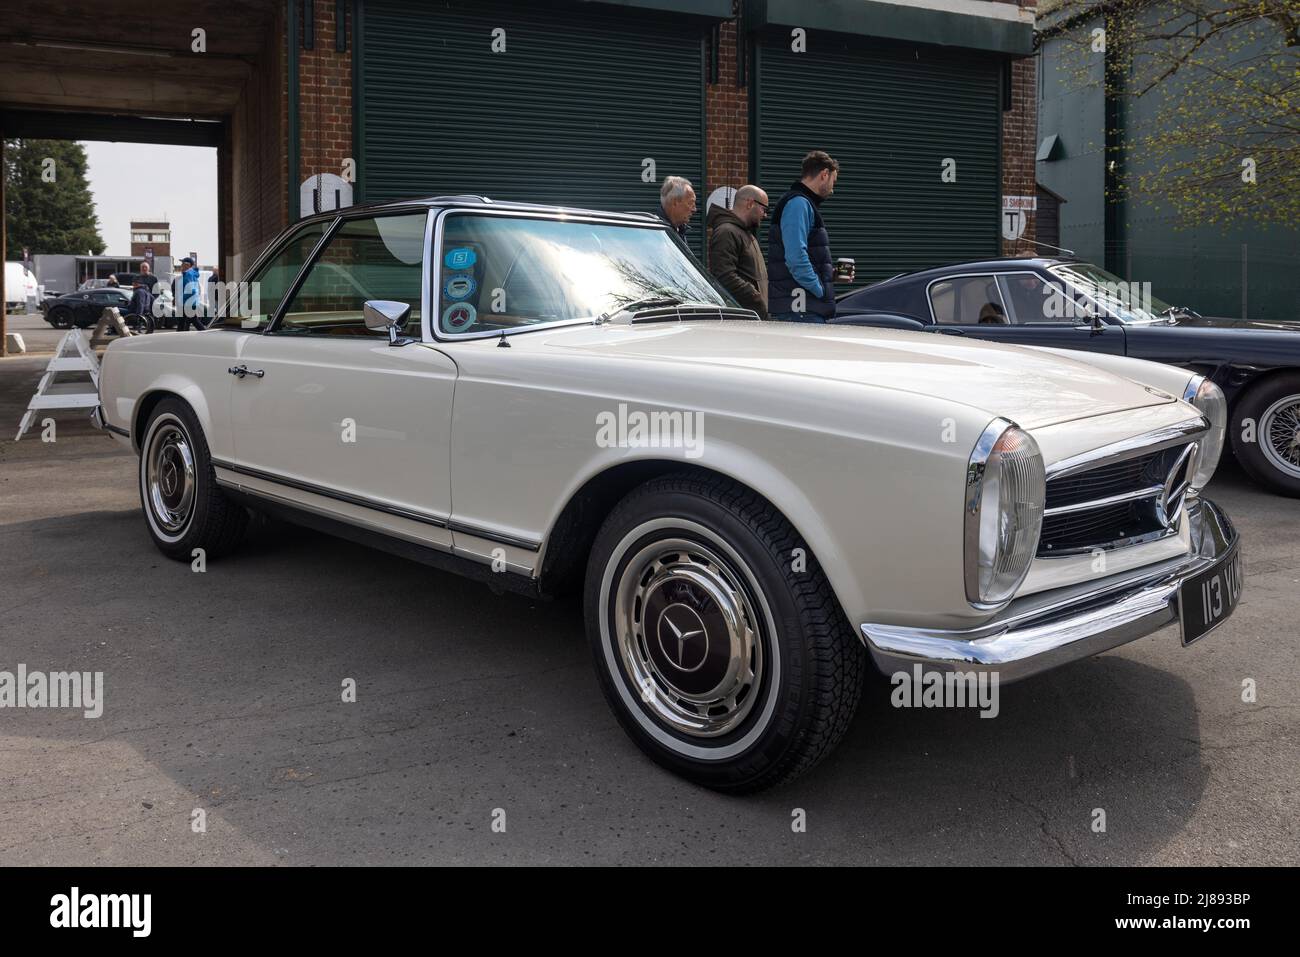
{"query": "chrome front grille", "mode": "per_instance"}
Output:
(1133, 497)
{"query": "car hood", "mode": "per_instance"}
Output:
(1029, 387)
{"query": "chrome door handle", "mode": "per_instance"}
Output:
(241, 371)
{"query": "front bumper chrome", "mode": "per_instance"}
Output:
(1040, 633)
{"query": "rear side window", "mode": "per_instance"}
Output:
(968, 301)
(271, 283)
(365, 259)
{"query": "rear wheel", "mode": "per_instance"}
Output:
(183, 506)
(721, 662)
(1266, 433)
(139, 325)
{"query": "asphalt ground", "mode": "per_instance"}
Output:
(222, 694)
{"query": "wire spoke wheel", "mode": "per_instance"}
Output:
(1279, 429)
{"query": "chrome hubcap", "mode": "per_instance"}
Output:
(1280, 435)
(170, 478)
(688, 637)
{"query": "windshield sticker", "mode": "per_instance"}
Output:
(458, 316)
(459, 286)
(462, 257)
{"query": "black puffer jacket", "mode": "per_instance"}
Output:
(736, 259)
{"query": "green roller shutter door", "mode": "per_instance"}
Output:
(583, 95)
(891, 114)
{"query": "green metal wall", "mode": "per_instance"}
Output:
(582, 95)
(1227, 270)
(890, 113)
(1071, 106)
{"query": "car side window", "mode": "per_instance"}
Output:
(373, 258)
(269, 285)
(968, 301)
(1033, 300)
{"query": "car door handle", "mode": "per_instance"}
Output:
(241, 371)
(952, 332)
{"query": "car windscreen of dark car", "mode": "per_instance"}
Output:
(1127, 302)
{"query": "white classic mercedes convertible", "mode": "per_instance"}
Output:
(543, 398)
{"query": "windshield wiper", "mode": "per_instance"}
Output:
(1174, 312)
(635, 304)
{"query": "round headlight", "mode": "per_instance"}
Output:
(1209, 401)
(1005, 490)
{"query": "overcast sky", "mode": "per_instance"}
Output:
(176, 184)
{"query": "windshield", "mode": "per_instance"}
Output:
(500, 272)
(1129, 302)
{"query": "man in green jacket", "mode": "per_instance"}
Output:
(734, 254)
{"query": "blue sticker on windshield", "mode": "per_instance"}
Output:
(460, 285)
(462, 257)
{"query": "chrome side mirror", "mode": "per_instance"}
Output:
(384, 314)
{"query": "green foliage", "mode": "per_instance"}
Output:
(1210, 95)
(48, 206)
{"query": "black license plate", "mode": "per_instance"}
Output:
(1207, 599)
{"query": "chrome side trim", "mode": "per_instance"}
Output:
(1131, 447)
(372, 527)
(468, 528)
(437, 521)
(338, 496)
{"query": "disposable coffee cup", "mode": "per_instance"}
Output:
(844, 269)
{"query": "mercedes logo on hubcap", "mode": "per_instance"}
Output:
(169, 477)
(683, 639)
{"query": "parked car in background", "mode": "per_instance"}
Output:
(1072, 304)
(48, 296)
(83, 308)
(541, 397)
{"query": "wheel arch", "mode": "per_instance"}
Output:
(1266, 377)
(569, 538)
(150, 398)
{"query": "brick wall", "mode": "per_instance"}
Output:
(727, 118)
(1020, 141)
(257, 148)
(260, 129)
(324, 98)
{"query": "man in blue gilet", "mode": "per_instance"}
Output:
(800, 270)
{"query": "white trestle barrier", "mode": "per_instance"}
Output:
(84, 360)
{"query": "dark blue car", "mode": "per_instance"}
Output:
(1072, 304)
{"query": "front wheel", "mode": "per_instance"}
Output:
(61, 319)
(1266, 433)
(183, 506)
(717, 642)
